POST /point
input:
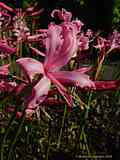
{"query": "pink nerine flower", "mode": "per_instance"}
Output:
(61, 44)
(114, 40)
(21, 31)
(101, 45)
(5, 19)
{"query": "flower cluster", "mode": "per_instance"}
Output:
(60, 43)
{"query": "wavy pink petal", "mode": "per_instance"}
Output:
(63, 54)
(53, 43)
(78, 24)
(82, 81)
(62, 15)
(39, 93)
(30, 67)
(75, 78)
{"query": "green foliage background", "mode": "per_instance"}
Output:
(116, 15)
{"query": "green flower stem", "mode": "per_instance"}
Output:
(82, 134)
(88, 105)
(101, 63)
(61, 130)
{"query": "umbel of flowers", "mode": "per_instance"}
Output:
(60, 42)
